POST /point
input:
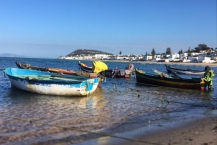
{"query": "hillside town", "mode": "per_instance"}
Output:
(200, 54)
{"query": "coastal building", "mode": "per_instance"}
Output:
(136, 57)
(85, 57)
(147, 57)
(203, 56)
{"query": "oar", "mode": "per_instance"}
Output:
(157, 72)
(161, 73)
(175, 74)
(62, 77)
(58, 78)
(68, 76)
(114, 74)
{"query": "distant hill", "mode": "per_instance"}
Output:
(86, 52)
(10, 55)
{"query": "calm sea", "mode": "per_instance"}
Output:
(118, 106)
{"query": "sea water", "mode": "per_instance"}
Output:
(117, 106)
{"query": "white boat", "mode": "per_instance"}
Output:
(51, 83)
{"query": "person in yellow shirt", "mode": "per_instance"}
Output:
(208, 75)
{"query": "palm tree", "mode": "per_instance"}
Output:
(168, 51)
(120, 53)
(153, 53)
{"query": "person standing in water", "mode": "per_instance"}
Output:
(208, 75)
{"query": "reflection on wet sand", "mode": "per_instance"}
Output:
(96, 100)
(34, 118)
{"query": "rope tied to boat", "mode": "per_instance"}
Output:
(163, 102)
(115, 85)
(115, 73)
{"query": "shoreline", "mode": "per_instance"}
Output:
(154, 62)
(169, 63)
(192, 130)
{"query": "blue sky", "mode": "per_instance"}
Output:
(50, 28)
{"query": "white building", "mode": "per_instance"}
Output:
(85, 57)
(147, 57)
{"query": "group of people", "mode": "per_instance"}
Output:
(207, 77)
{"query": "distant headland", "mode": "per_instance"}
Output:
(11, 55)
(86, 52)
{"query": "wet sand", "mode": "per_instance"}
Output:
(186, 131)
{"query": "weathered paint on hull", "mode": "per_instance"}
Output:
(53, 89)
(50, 83)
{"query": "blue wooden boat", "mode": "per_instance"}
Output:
(167, 81)
(51, 83)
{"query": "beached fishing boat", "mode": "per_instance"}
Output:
(167, 81)
(50, 83)
(85, 67)
(57, 70)
(184, 71)
(118, 73)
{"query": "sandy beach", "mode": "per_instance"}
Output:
(193, 130)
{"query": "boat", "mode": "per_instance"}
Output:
(85, 67)
(171, 69)
(51, 83)
(57, 70)
(118, 73)
(167, 81)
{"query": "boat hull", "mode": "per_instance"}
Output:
(183, 83)
(57, 70)
(85, 68)
(27, 80)
(106, 73)
(184, 71)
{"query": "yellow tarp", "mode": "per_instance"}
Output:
(99, 66)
